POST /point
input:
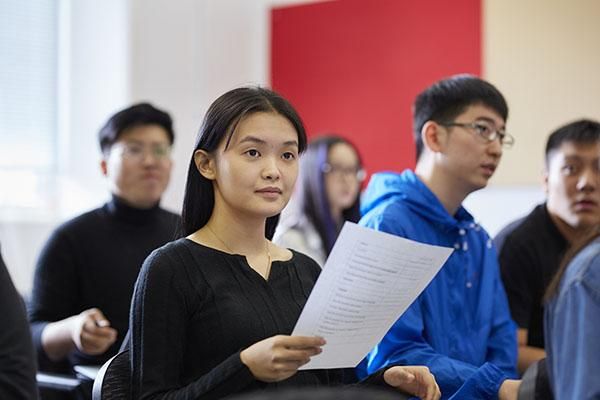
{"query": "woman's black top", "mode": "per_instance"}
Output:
(195, 308)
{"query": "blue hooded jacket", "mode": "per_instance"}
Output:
(460, 326)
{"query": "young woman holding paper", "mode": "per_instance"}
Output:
(212, 312)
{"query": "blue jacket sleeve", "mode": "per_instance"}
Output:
(404, 344)
(482, 385)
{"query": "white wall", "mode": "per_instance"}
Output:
(187, 53)
(93, 83)
(544, 55)
(179, 55)
(496, 206)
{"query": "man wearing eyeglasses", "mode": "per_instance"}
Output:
(460, 326)
(85, 274)
(532, 248)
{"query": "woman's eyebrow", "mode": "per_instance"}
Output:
(254, 139)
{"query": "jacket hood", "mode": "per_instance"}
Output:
(385, 186)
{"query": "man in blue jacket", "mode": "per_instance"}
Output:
(460, 326)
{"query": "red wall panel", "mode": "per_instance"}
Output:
(354, 66)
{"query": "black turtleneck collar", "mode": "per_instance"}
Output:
(118, 208)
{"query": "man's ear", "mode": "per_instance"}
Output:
(205, 163)
(433, 136)
(545, 176)
(103, 166)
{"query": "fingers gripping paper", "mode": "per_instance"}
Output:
(368, 281)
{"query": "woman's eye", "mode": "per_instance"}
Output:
(288, 155)
(253, 153)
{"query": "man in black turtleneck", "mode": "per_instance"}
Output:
(86, 272)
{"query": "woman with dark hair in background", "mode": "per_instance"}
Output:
(327, 195)
(572, 323)
(212, 312)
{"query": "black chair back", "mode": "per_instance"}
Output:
(113, 381)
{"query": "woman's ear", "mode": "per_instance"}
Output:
(205, 164)
(433, 136)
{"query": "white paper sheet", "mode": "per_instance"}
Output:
(368, 281)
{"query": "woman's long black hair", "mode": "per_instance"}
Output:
(220, 123)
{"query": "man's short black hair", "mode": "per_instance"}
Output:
(446, 99)
(136, 115)
(583, 131)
